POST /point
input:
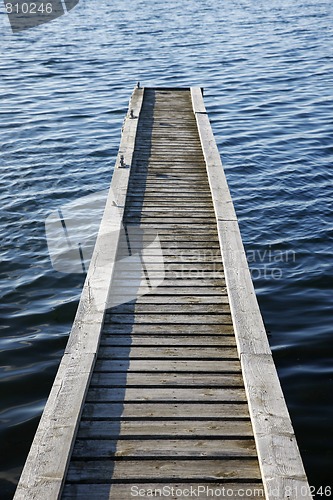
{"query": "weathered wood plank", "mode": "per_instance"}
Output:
(179, 257)
(155, 263)
(171, 194)
(110, 394)
(179, 410)
(178, 300)
(159, 448)
(170, 352)
(176, 308)
(205, 470)
(180, 380)
(168, 366)
(168, 293)
(170, 329)
(279, 455)
(169, 218)
(202, 283)
(168, 340)
(197, 100)
(194, 319)
(179, 238)
(192, 273)
(249, 328)
(165, 205)
(165, 429)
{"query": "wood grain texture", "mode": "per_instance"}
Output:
(179, 341)
(170, 365)
(166, 411)
(158, 380)
(279, 456)
(151, 448)
(167, 352)
(139, 470)
(166, 429)
(200, 395)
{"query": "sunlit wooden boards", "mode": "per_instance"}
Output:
(167, 404)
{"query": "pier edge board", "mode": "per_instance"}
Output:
(279, 457)
(46, 465)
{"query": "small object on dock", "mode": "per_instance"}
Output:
(132, 114)
(122, 162)
(138, 85)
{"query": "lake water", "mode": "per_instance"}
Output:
(267, 70)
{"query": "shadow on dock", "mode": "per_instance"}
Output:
(105, 407)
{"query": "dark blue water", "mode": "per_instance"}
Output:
(267, 68)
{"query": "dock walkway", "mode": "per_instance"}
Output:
(167, 379)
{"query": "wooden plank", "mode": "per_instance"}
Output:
(170, 329)
(179, 300)
(198, 238)
(161, 448)
(130, 470)
(279, 455)
(124, 294)
(172, 490)
(155, 264)
(168, 366)
(165, 429)
(169, 217)
(178, 292)
(116, 394)
(194, 319)
(168, 205)
(171, 195)
(170, 185)
(249, 327)
(176, 308)
(171, 252)
(170, 352)
(198, 104)
(182, 275)
(197, 175)
(180, 257)
(179, 410)
(191, 228)
(168, 340)
(223, 204)
(46, 465)
(180, 380)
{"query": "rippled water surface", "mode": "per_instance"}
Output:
(267, 70)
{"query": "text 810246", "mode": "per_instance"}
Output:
(28, 8)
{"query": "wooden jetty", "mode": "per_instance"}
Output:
(167, 380)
